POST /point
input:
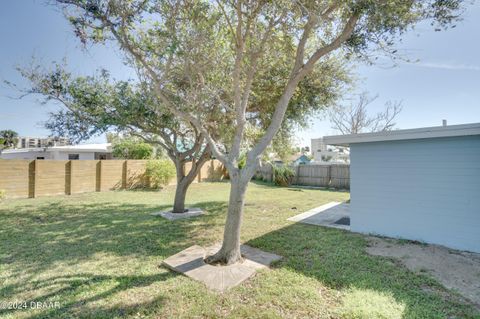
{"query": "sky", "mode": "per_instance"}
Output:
(443, 84)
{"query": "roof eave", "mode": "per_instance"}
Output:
(409, 134)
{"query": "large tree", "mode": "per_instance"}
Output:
(246, 38)
(93, 105)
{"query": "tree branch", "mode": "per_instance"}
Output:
(295, 78)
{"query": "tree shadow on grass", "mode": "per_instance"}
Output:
(77, 284)
(45, 234)
(52, 232)
(38, 237)
(338, 260)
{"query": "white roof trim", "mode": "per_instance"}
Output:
(23, 150)
(105, 148)
(410, 134)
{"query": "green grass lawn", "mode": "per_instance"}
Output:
(98, 255)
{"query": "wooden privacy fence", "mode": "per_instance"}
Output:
(26, 178)
(331, 175)
(265, 172)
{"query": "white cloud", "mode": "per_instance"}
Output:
(448, 66)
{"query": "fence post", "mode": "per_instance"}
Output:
(35, 178)
(272, 173)
(68, 178)
(329, 175)
(125, 181)
(31, 179)
(99, 176)
(297, 173)
(124, 174)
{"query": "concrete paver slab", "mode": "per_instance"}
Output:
(190, 262)
(192, 212)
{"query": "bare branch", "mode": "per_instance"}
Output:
(354, 118)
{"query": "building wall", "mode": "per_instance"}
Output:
(335, 154)
(55, 155)
(31, 155)
(317, 147)
(426, 190)
(63, 155)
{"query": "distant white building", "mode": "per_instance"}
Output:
(34, 142)
(68, 152)
(323, 153)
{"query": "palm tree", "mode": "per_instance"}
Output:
(8, 138)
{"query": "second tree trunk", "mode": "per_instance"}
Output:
(230, 251)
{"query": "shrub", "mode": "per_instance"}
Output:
(160, 172)
(283, 175)
(3, 194)
(130, 149)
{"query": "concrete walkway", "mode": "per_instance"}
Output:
(327, 215)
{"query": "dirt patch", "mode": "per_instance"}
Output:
(454, 269)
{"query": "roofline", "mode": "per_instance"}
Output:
(23, 150)
(53, 149)
(409, 134)
(72, 149)
(90, 147)
(80, 150)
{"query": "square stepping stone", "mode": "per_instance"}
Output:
(191, 212)
(190, 262)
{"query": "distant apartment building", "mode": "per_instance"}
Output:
(323, 153)
(34, 142)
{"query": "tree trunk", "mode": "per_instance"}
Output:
(230, 251)
(180, 194)
(185, 180)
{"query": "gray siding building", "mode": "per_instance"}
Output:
(421, 184)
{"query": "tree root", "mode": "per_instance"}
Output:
(222, 258)
(186, 210)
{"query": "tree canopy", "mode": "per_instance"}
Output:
(132, 149)
(185, 44)
(96, 104)
(206, 59)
